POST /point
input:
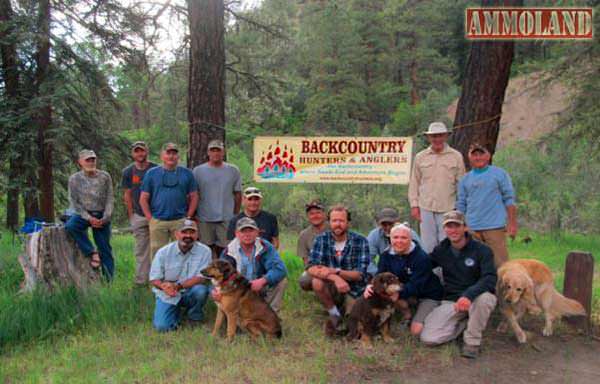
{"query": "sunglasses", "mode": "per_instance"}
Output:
(170, 179)
(250, 191)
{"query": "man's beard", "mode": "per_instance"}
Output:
(186, 242)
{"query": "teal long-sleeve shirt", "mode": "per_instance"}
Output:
(483, 196)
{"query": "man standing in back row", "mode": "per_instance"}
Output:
(433, 181)
(487, 198)
(267, 222)
(131, 183)
(220, 188)
(169, 195)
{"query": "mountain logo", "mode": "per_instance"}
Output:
(277, 163)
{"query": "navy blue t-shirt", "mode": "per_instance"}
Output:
(168, 191)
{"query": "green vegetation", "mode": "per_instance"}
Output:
(106, 334)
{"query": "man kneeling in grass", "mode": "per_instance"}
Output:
(175, 277)
(338, 265)
(469, 284)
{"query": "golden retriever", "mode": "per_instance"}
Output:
(526, 285)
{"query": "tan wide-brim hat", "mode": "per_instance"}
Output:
(436, 128)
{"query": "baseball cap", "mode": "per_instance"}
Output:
(216, 144)
(316, 203)
(245, 222)
(388, 215)
(188, 224)
(170, 147)
(453, 217)
(86, 154)
(252, 191)
(478, 147)
(139, 144)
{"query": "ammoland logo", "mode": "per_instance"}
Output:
(520, 23)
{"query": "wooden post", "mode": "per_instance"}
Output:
(579, 276)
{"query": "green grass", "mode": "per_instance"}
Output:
(105, 335)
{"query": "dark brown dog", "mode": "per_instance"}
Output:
(370, 316)
(239, 304)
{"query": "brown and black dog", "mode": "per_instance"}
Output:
(370, 316)
(240, 304)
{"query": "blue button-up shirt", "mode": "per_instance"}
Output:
(171, 264)
(355, 257)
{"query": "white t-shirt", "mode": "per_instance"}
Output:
(339, 248)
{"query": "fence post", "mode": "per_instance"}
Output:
(579, 277)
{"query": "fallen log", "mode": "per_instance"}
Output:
(51, 259)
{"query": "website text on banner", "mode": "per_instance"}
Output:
(361, 160)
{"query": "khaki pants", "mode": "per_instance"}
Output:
(432, 230)
(495, 239)
(444, 323)
(274, 295)
(162, 232)
(305, 281)
(214, 233)
(141, 234)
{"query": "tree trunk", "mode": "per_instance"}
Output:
(51, 259)
(30, 197)
(10, 73)
(206, 89)
(44, 114)
(480, 105)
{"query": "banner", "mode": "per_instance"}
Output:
(364, 160)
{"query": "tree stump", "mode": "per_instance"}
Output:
(52, 259)
(579, 277)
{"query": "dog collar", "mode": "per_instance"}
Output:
(231, 277)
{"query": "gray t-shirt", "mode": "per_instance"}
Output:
(216, 186)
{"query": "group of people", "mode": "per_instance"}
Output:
(449, 271)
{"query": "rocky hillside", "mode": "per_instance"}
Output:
(532, 107)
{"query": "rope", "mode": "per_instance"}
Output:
(477, 122)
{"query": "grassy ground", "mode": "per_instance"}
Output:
(106, 335)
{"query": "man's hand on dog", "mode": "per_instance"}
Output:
(258, 284)
(368, 291)
(462, 304)
(216, 294)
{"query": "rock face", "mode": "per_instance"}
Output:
(51, 259)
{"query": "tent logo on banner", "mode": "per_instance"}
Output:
(277, 163)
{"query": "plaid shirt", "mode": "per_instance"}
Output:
(355, 257)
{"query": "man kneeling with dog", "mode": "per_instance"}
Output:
(175, 277)
(258, 261)
(406, 259)
(469, 285)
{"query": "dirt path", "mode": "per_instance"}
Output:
(569, 358)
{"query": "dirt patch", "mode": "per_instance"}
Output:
(565, 358)
(532, 107)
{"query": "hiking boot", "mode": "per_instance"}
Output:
(331, 325)
(470, 351)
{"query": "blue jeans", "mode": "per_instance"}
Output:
(77, 227)
(167, 316)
